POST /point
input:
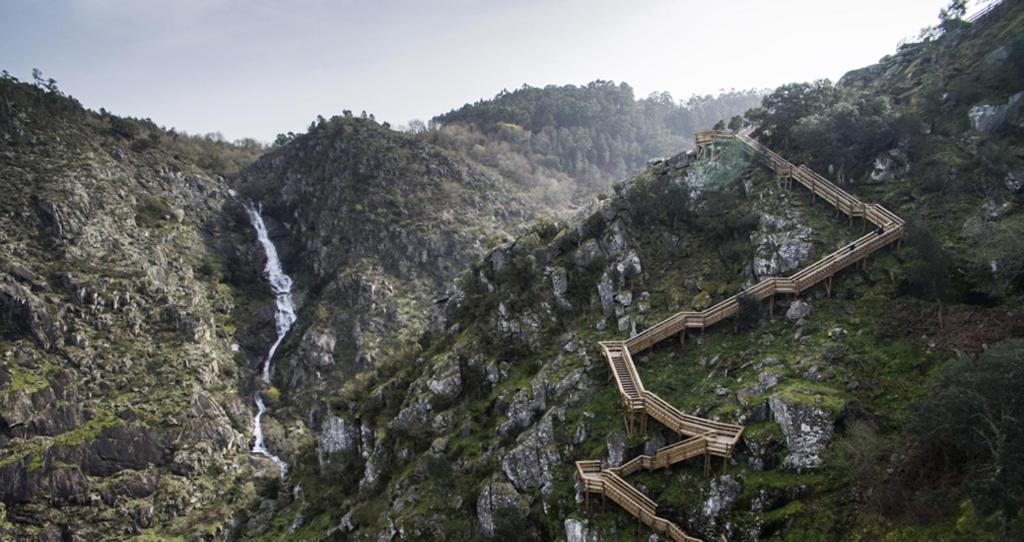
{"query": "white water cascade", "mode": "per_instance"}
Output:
(284, 317)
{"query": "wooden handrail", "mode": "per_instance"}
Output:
(709, 437)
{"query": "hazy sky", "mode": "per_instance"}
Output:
(260, 67)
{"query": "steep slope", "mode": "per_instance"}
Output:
(120, 408)
(854, 404)
(371, 223)
(475, 436)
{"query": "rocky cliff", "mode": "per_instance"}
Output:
(120, 408)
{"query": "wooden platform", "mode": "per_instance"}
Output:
(703, 437)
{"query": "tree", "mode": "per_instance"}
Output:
(417, 126)
(971, 421)
(785, 106)
(928, 265)
(848, 134)
(955, 10)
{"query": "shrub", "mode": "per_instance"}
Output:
(151, 211)
(749, 312)
(124, 128)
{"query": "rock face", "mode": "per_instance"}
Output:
(578, 531)
(501, 510)
(531, 463)
(722, 492)
(808, 429)
(382, 221)
(781, 244)
(339, 436)
(119, 403)
(992, 118)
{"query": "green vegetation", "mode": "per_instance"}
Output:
(564, 143)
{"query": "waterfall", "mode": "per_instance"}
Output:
(284, 317)
(259, 446)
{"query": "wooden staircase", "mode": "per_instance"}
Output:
(608, 483)
(705, 437)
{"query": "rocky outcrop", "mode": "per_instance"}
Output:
(531, 463)
(807, 421)
(781, 244)
(992, 118)
(20, 309)
(722, 493)
(889, 166)
(338, 437)
(501, 510)
(579, 531)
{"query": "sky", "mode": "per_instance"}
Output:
(256, 68)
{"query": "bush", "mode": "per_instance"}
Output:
(152, 211)
(749, 312)
(928, 265)
(124, 128)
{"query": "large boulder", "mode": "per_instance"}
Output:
(781, 244)
(525, 406)
(807, 420)
(890, 165)
(317, 349)
(798, 310)
(560, 286)
(445, 381)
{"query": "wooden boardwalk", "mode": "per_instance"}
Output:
(702, 437)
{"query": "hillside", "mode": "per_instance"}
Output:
(121, 404)
(854, 404)
(565, 143)
(371, 223)
(451, 293)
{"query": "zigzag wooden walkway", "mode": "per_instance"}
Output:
(706, 438)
